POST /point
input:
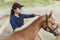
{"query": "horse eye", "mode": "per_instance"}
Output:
(52, 23)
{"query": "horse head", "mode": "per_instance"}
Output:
(49, 24)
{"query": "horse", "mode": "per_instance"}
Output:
(46, 22)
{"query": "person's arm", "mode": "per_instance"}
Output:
(28, 15)
(13, 23)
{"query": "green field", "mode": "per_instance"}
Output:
(28, 3)
(36, 2)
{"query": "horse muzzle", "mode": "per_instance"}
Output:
(57, 33)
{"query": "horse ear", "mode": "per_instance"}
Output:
(50, 15)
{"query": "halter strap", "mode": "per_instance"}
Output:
(52, 31)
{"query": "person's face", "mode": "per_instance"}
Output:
(18, 10)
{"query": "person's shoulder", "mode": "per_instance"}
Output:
(22, 14)
(12, 17)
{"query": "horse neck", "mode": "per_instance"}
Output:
(32, 30)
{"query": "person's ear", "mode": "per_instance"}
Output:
(14, 10)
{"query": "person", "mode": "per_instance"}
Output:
(16, 17)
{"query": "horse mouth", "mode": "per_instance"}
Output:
(56, 33)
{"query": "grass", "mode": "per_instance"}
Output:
(28, 3)
(6, 5)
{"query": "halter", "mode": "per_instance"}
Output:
(51, 31)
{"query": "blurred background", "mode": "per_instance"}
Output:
(27, 3)
(30, 6)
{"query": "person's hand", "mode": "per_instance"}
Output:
(37, 14)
